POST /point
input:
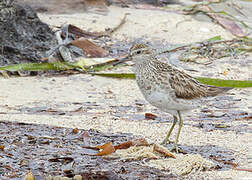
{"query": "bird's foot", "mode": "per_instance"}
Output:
(176, 149)
(166, 141)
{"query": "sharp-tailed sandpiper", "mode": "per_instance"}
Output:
(166, 87)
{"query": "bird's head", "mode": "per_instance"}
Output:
(136, 50)
(139, 49)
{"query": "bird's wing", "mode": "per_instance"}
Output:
(185, 86)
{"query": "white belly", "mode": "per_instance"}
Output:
(166, 103)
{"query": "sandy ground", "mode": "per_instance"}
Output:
(110, 105)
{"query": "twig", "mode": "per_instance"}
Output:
(112, 30)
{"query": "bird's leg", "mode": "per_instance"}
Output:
(166, 140)
(175, 145)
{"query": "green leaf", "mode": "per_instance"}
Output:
(93, 63)
(215, 38)
(204, 80)
(31, 67)
(225, 83)
(116, 75)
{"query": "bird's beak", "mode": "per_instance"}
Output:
(122, 60)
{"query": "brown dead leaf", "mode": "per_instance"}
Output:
(2, 147)
(135, 142)
(229, 25)
(89, 48)
(150, 116)
(226, 23)
(81, 33)
(124, 145)
(163, 151)
(106, 149)
(7, 167)
(75, 131)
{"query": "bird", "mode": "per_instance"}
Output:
(166, 87)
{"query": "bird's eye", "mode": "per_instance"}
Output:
(138, 52)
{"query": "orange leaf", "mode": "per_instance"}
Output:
(75, 131)
(2, 147)
(106, 149)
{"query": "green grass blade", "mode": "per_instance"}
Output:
(37, 66)
(215, 38)
(204, 80)
(225, 83)
(116, 75)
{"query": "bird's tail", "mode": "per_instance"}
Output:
(214, 90)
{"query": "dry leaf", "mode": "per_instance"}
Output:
(89, 48)
(2, 147)
(124, 145)
(106, 149)
(75, 130)
(163, 151)
(224, 22)
(7, 167)
(150, 116)
(229, 25)
(81, 33)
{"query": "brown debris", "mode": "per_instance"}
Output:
(2, 147)
(124, 145)
(225, 22)
(150, 116)
(75, 131)
(82, 33)
(89, 48)
(106, 149)
(224, 161)
(65, 155)
(135, 142)
(163, 151)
